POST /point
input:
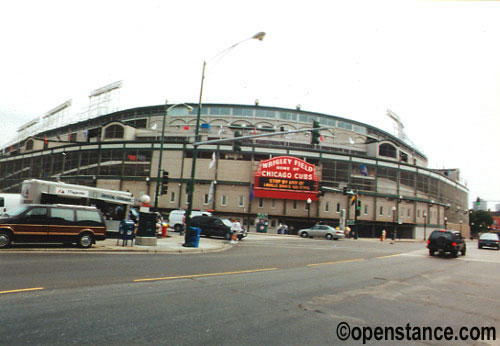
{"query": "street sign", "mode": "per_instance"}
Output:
(350, 222)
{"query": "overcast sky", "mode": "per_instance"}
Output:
(434, 63)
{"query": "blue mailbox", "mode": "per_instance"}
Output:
(126, 232)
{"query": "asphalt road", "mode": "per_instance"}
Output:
(265, 290)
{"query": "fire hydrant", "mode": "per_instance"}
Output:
(164, 230)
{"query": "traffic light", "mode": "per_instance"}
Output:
(164, 183)
(236, 143)
(478, 201)
(315, 133)
(358, 208)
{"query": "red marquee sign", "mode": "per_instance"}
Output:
(286, 177)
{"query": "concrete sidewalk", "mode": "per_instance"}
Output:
(171, 244)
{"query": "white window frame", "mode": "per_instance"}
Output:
(223, 200)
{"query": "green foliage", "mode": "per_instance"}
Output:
(479, 221)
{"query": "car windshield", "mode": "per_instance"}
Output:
(227, 222)
(437, 234)
(489, 236)
(17, 211)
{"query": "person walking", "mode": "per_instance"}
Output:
(235, 229)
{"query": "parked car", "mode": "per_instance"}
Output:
(325, 231)
(53, 223)
(446, 241)
(488, 240)
(212, 226)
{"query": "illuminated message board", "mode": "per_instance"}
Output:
(286, 177)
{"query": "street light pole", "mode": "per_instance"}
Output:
(425, 225)
(190, 191)
(158, 176)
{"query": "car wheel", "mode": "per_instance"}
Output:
(479, 247)
(463, 251)
(304, 235)
(454, 253)
(5, 239)
(85, 240)
(431, 252)
(177, 228)
(227, 236)
(329, 236)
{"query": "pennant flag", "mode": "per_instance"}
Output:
(132, 157)
(155, 126)
(321, 138)
(11, 148)
(351, 140)
(214, 160)
(251, 194)
(70, 136)
(186, 127)
(45, 140)
(221, 130)
(363, 170)
(254, 130)
(211, 192)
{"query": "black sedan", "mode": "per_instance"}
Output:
(489, 240)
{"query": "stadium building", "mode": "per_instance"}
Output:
(283, 178)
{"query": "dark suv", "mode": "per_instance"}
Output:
(213, 226)
(446, 241)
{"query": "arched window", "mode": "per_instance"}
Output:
(29, 145)
(387, 150)
(114, 131)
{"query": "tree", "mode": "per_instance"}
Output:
(479, 221)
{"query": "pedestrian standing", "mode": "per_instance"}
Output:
(280, 229)
(235, 230)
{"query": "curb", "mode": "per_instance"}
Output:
(121, 250)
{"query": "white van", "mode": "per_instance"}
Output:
(175, 218)
(9, 201)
